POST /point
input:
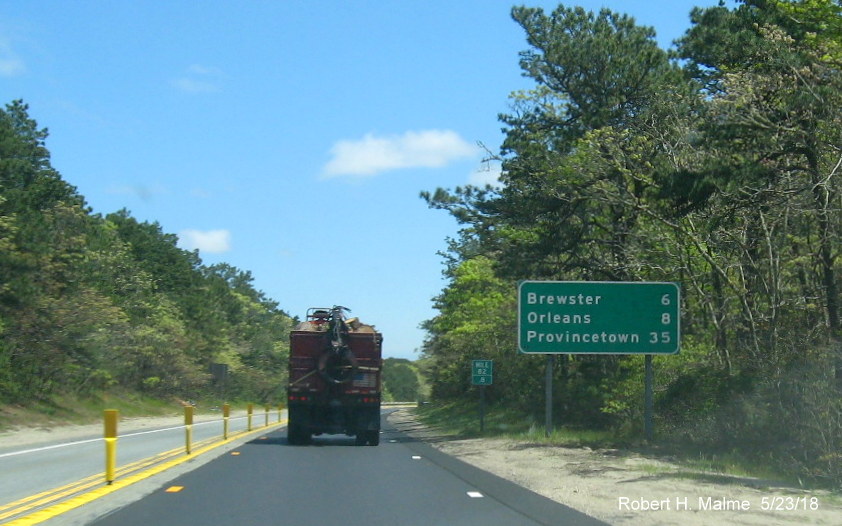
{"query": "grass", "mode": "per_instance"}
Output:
(729, 463)
(63, 410)
(462, 421)
(69, 410)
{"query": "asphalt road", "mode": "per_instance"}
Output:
(401, 482)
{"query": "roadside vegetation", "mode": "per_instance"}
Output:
(715, 164)
(69, 409)
(461, 421)
(402, 381)
(100, 311)
(93, 304)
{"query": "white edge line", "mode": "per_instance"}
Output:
(45, 448)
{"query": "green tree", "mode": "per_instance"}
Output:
(719, 172)
(400, 380)
(87, 302)
(476, 320)
(27, 179)
(594, 74)
(579, 164)
(773, 139)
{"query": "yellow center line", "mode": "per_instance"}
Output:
(48, 496)
(101, 490)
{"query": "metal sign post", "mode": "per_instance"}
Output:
(600, 317)
(648, 400)
(482, 409)
(548, 407)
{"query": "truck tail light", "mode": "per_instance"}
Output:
(298, 398)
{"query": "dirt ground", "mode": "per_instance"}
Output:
(621, 488)
(615, 486)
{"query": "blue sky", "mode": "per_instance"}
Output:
(287, 138)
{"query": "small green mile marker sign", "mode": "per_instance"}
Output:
(598, 317)
(482, 372)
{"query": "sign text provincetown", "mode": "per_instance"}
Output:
(598, 317)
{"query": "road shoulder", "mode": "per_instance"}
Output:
(624, 489)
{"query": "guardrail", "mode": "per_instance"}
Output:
(72, 495)
(111, 417)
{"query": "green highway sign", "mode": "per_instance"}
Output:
(598, 317)
(482, 372)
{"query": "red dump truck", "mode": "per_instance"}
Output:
(334, 378)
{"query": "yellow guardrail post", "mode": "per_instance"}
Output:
(226, 412)
(111, 416)
(266, 415)
(280, 408)
(250, 413)
(188, 428)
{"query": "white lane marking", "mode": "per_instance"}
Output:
(45, 448)
(416, 457)
(475, 494)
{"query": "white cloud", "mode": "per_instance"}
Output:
(200, 193)
(144, 192)
(11, 65)
(199, 79)
(372, 155)
(488, 173)
(210, 241)
(189, 85)
(198, 69)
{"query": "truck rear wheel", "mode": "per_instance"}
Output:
(296, 435)
(372, 438)
(293, 435)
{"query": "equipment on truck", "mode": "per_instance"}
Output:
(334, 377)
